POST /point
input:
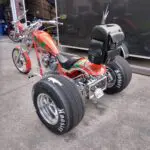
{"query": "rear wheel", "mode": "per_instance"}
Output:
(21, 60)
(58, 103)
(119, 75)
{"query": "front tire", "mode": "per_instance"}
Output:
(14, 36)
(119, 75)
(62, 108)
(21, 61)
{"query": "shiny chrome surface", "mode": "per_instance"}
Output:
(47, 108)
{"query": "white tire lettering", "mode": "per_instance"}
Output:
(119, 78)
(62, 120)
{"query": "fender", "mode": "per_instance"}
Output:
(124, 52)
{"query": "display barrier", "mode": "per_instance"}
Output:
(83, 15)
(1, 29)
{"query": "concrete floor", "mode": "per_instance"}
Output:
(117, 122)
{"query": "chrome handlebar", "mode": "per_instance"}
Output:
(38, 24)
(35, 26)
(52, 22)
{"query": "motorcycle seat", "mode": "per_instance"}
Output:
(67, 61)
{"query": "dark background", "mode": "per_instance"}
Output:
(82, 15)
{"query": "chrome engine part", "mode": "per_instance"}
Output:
(29, 42)
(53, 63)
(49, 61)
(92, 87)
(45, 59)
(97, 87)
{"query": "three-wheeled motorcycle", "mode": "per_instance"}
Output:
(59, 96)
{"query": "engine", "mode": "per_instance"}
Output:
(49, 61)
(45, 59)
(92, 87)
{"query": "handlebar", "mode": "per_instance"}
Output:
(52, 22)
(38, 24)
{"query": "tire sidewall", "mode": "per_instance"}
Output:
(63, 119)
(123, 75)
(120, 80)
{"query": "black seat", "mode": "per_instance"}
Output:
(67, 61)
(96, 52)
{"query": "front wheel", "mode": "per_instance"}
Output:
(119, 75)
(14, 36)
(21, 60)
(58, 103)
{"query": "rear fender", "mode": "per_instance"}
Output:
(124, 52)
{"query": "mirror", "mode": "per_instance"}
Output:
(63, 17)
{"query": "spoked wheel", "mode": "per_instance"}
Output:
(21, 61)
(14, 36)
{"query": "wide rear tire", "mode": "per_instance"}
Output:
(68, 107)
(121, 74)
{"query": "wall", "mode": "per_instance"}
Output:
(83, 15)
(39, 8)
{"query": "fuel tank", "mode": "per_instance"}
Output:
(45, 41)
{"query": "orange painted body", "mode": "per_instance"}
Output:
(90, 68)
(43, 39)
(95, 69)
(84, 65)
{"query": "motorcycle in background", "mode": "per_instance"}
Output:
(17, 29)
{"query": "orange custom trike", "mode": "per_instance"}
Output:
(59, 96)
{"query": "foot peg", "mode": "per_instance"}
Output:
(31, 75)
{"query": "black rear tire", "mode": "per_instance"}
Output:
(122, 73)
(65, 95)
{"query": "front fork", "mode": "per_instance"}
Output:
(38, 59)
(20, 53)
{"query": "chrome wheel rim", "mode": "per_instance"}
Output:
(19, 61)
(111, 77)
(47, 108)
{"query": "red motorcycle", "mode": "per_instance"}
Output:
(59, 96)
(16, 29)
